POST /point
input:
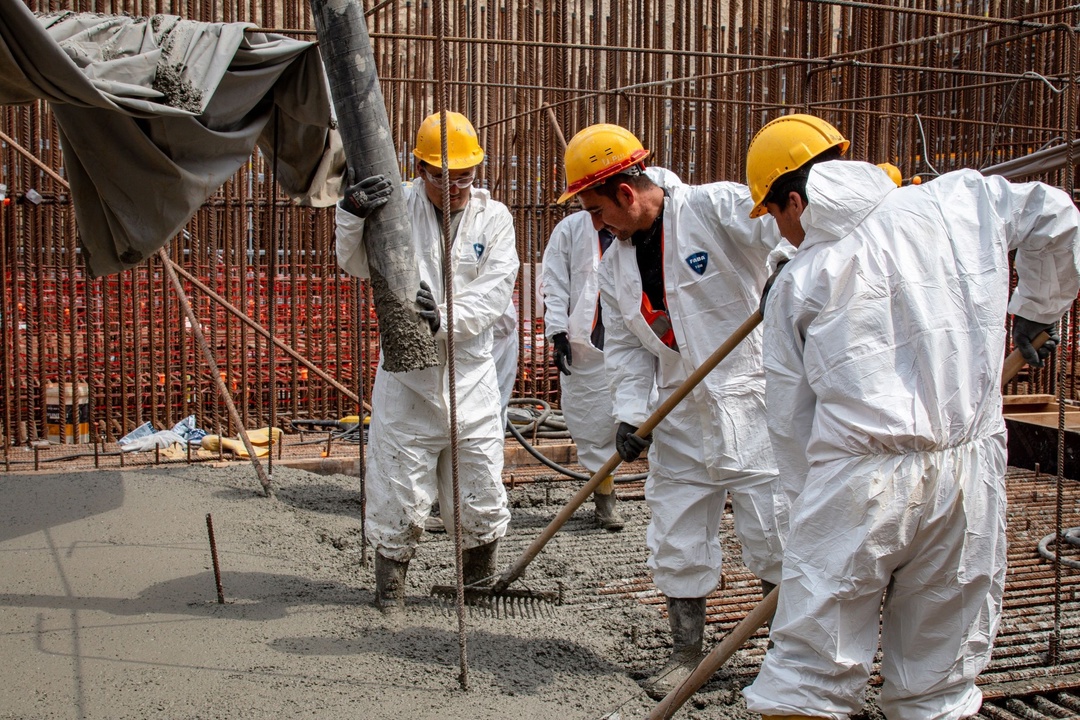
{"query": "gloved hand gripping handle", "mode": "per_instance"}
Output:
(613, 462)
(763, 611)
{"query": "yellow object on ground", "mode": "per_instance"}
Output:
(262, 436)
(260, 441)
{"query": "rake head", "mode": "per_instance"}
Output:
(508, 603)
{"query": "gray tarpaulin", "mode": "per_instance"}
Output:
(156, 113)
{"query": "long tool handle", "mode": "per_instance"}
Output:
(764, 610)
(613, 462)
(717, 657)
(1015, 361)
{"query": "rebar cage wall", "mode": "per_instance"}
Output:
(929, 86)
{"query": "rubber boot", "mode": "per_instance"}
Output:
(687, 619)
(479, 563)
(607, 516)
(390, 584)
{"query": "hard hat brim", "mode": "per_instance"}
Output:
(568, 196)
(590, 182)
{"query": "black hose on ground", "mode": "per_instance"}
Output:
(543, 417)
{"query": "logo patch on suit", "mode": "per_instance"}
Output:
(479, 248)
(698, 262)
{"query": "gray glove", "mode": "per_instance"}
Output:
(367, 196)
(1024, 331)
(429, 309)
(768, 286)
(628, 445)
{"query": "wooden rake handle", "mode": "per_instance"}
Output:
(613, 462)
(1015, 361)
(717, 657)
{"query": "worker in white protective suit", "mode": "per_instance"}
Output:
(574, 327)
(884, 339)
(686, 272)
(409, 452)
(505, 347)
(504, 351)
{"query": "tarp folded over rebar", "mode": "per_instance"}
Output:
(156, 113)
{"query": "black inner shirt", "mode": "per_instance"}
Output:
(650, 259)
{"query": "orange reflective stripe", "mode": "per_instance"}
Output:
(659, 321)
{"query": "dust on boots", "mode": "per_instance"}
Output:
(607, 516)
(686, 616)
(390, 584)
(478, 563)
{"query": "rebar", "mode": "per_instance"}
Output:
(921, 86)
(214, 558)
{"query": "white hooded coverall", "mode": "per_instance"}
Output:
(504, 350)
(884, 340)
(408, 463)
(715, 262)
(571, 294)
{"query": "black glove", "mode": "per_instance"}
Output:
(366, 196)
(768, 286)
(563, 357)
(429, 309)
(628, 445)
(1024, 331)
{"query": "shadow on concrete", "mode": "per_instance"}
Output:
(329, 499)
(35, 502)
(248, 596)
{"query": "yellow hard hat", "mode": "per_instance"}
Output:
(893, 172)
(785, 144)
(596, 153)
(462, 146)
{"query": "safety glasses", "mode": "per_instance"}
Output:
(461, 182)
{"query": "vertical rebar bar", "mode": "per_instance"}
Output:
(214, 558)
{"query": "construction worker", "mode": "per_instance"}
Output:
(574, 328)
(687, 270)
(505, 347)
(409, 452)
(884, 339)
